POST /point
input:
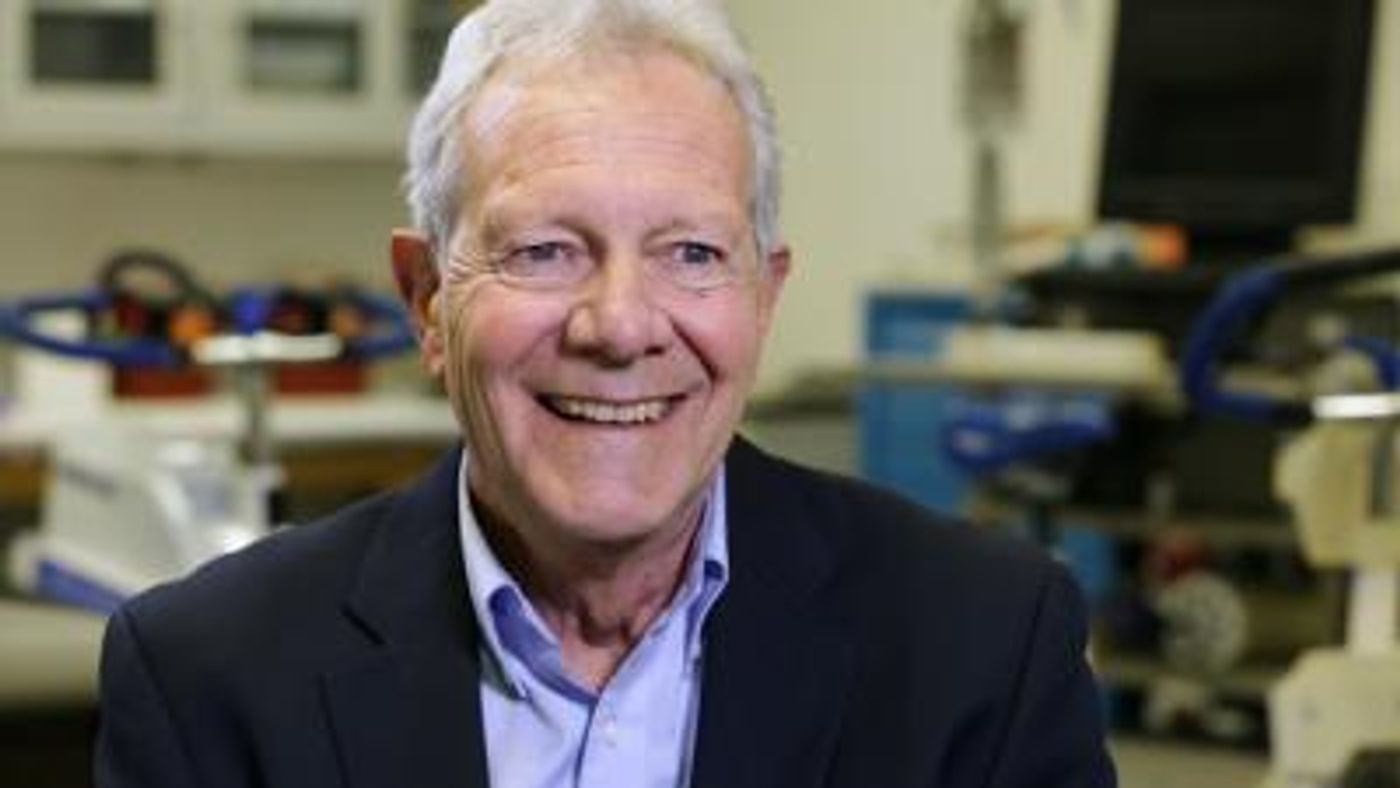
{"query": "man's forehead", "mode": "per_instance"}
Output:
(650, 86)
(663, 110)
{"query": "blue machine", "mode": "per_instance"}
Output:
(901, 425)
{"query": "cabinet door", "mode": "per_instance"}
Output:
(95, 74)
(302, 76)
(425, 27)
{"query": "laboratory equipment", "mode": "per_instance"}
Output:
(129, 504)
(1238, 145)
(1338, 474)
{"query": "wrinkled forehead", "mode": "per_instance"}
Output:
(655, 92)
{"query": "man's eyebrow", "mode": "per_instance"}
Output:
(495, 225)
(705, 221)
(490, 227)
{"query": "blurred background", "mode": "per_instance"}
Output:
(1024, 236)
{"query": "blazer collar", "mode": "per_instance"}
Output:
(407, 711)
(411, 587)
(777, 658)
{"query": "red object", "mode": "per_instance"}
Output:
(328, 377)
(159, 383)
(1174, 553)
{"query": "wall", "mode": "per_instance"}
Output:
(867, 96)
(233, 221)
(876, 178)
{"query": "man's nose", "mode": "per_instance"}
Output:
(616, 319)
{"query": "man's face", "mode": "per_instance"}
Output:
(597, 413)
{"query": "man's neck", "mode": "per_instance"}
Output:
(599, 619)
(598, 600)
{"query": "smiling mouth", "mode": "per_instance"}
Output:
(595, 411)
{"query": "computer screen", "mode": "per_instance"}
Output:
(1239, 120)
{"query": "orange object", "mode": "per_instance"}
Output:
(1162, 246)
(189, 324)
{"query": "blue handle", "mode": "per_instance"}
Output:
(987, 436)
(16, 321)
(1382, 354)
(396, 334)
(1224, 321)
(1240, 302)
(249, 310)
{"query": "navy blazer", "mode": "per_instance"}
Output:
(860, 643)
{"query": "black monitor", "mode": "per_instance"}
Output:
(1239, 120)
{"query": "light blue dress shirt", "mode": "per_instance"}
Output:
(543, 729)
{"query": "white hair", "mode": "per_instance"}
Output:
(558, 30)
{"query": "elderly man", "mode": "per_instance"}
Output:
(604, 587)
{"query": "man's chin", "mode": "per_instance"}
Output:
(606, 526)
(622, 522)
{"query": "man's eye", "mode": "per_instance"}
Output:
(692, 253)
(541, 253)
(546, 262)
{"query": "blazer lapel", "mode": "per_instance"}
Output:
(406, 710)
(776, 663)
(408, 717)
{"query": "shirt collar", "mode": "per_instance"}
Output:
(504, 613)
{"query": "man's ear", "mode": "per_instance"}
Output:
(775, 272)
(416, 274)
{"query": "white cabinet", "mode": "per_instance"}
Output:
(295, 74)
(236, 77)
(72, 71)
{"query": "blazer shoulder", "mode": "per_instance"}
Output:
(870, 521)
(893, 539)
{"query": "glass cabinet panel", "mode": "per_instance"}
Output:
(316, 56)
(304, 46)
(94, 43)
(332, 77)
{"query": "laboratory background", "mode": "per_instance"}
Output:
(1119, 276)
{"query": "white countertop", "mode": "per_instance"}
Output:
(292, 420)
(48, 654)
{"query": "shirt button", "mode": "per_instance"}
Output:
(610, 731)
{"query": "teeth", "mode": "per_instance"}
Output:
(610, 413)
